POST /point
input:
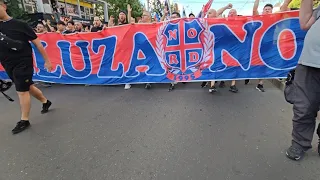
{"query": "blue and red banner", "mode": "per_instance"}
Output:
(180, 50)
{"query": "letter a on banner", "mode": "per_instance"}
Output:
(150, 60)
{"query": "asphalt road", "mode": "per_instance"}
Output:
(107, 133)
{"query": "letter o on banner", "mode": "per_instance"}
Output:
(192, 33)
(273, 49)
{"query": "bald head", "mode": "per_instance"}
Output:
(232, 13)
(146, 17)
(212, 13)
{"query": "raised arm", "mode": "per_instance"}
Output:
(129, 9)
(285, 6)
(221, 10)
(255, 7)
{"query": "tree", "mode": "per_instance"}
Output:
(158, 7)
(115, 6)
(15, 10)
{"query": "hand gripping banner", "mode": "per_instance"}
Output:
(259, 47)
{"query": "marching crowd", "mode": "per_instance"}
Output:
(67, 26)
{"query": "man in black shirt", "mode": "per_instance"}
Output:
(97, 25)
(18, 63)
(70, 28)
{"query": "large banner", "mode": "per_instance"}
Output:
(180, 50)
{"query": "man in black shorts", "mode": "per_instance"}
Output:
(16, 58)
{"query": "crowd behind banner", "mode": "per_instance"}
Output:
(68, 26)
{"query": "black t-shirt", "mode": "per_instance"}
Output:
(16, 30)
(96, 29)
(69, 32)
(120, 24)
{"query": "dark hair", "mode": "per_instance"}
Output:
(294, 9)
(71, 22)
(191, 14)
(268, 5)
(61, 23)
(122, 11)
(176, 13)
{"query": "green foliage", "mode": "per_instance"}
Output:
(114, 7)
(158, 7)
(15, 10)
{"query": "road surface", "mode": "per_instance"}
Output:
(107, 133)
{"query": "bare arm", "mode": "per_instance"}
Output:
(221, 10)
(306, 15)
(129, 13)
(255, 7)
(165, 13)
(285, 6)
(41, 49)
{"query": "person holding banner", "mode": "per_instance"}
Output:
(267, 9)
(306, 84)
(18, 63)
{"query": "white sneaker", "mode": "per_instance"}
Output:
(127, 86)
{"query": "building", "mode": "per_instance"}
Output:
(78, 9)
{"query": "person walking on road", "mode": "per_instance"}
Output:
(306, 83)
(16, 58)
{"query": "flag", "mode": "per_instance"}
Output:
(167, 4)
(156, 17)
(205, 9)
(184, 13)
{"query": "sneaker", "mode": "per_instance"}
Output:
(204, 84)
(222, 84)
(295, 153)
(171, 87)
(127, 86)
(21, 126)
(233, 89)
(260, 88)
(148, 86)
(246, 82)
(212, 89)
(45, 107)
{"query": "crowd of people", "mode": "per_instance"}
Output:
(18, 63)
(68, 26)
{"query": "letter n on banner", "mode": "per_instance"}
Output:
(150, 59)
(226, 40)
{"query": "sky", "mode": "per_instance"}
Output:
(244, 7)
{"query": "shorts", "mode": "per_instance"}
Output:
(21, 75)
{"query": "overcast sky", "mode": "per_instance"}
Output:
(244, 7)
